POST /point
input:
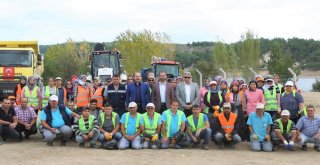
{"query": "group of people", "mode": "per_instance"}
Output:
(162, 114)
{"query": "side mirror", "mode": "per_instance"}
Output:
(39, 62)
(39, 58)
(90, 58)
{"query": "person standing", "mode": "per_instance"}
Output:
(62, 93)
(213, 99)
(187, 94)
(139, 93)
(202, 91)
(18, 89)
(116, 95)
(253, 97)
(272, 98)
(26, 119)
(69, 90)
(163, 93)
(81, 92)
(47, 91)
(33, 93)
(96, 92)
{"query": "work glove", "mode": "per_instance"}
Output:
(108, 136)
(228, 137)
(155, 137)
(215, 113)
(267, 138)
(255, 137)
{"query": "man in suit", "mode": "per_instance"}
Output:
(138, 92)
(187, 94)
(163, 93)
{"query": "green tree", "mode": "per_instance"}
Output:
(66, 59)
(220, 56)
(249, 53)
(232, 57)
(280, 61)
(138, 48)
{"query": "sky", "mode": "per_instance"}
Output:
(185, 21)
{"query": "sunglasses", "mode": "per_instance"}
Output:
(288, 86)
(68, 84)
(187, 77)
(150, 80)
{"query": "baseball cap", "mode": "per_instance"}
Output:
(259, 106)
(58, 78)
(285, 113)
(132, 104)
(150, 105)
(226, 105)
(213, 82)
(53, 98)
(260, 79)
(289, 83)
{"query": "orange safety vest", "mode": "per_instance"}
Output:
(83, 96)
(18, 95)
(97, 95)
(227, 126)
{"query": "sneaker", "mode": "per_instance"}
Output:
(304, 148)
(81, 144)
(317, 148)
(63, 143)
(93, 145)
(50, 143)
(275, 148)
(221, 146)
(206, 147)
(291, 147)
(27, 137)
(177, 146)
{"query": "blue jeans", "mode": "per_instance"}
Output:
(125, 143)
(204, 134)
(65, 131)
(94, 138)
(306, 139)
(220, 138)
(261, 146)
(117, 136)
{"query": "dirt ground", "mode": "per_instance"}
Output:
(34, 151)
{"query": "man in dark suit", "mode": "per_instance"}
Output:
(163, 93)
(138, 92)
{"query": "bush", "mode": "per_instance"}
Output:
(316, 86)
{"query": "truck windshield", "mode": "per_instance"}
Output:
(106, 61)
(15, 58)
(169, 69)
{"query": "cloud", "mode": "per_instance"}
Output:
(185, 21)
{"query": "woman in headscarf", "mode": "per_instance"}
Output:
(253, 97)
(69, 89)
(203, 90)
(18, 89)
(33, 93)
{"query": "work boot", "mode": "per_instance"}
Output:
(206, 147)
(50, 143)
(304, 148)
(63, 143)
(93, 145)
(291, 147)
(82, 144)
(221, 146)
(317, 148)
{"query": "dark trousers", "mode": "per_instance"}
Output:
(141, 110)
(188, 112)
(6, 131)
(27, 132)
(120, 111)
(163, 108)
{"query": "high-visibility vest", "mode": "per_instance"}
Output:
(47, 94)
(82, 126)
(151, 129)
(18, 95)
(227, 126)
(281, 126)
(271, 100)
(127, 120)
(97, 95)
(33, 99)
(206, 110)
(201, 122)
(103, 116)
(83, 96)
(168, 123)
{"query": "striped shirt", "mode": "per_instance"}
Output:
(77, 130)
(26, 115)
(309, 127)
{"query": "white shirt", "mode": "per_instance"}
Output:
(187, 88)
(162, 88)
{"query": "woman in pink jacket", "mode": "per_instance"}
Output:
(253, 97)
(203, 90)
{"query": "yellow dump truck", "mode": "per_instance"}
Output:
(18, 58)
